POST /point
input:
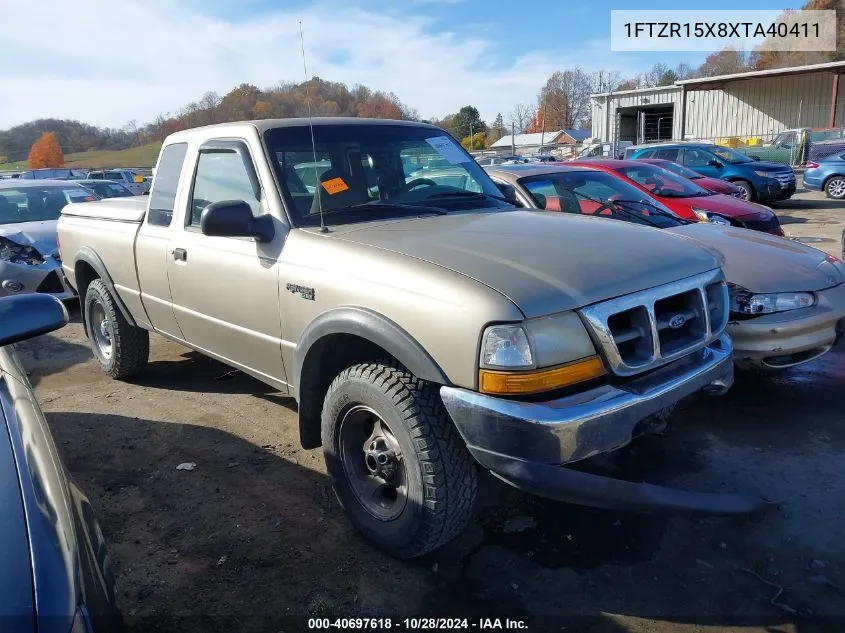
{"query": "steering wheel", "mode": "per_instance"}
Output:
(418, 182)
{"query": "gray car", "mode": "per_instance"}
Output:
(29, 255)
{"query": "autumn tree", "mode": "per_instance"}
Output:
(725, 62)
(497, 130)
(566, 95)
(379, 105)
(476, 141)
(45, 152)
(764, 58)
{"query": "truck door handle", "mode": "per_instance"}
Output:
(180, 254)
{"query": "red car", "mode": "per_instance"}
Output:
(687, 199)
(716, 185)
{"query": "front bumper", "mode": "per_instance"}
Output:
(47, 278)
(527, 444)
(771, 190)
(812, 182)
(785, 339)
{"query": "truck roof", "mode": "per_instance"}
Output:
(266, 124)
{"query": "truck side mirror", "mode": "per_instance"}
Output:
(508, 193)
(30, 315)
(715, 163)
(233, 218)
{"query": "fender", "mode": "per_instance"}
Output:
(375, 328)
(87, 255)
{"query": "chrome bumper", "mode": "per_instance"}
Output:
(528, 444)
(586, 424)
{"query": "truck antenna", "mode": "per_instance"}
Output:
(317, 191)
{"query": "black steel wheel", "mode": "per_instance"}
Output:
(398, 465)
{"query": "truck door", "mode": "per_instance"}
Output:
(225, 289)
(151, 254)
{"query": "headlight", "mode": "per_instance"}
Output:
(18, 253)
(766, 174)
(708, 216)
(538, 355)
(744, 302)
(505, 346)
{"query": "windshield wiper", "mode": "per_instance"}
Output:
(658, 211)
(386, 206)
(466, 194)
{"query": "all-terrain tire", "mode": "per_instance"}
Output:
(129, 345)
(440, 473)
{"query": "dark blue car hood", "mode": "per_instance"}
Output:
(762, 165)
(17, 610)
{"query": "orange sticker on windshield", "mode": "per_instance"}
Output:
(335, 185)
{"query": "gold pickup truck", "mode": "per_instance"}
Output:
(425, 328)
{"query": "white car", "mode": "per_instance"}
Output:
(136, 183)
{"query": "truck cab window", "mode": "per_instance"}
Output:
(221, 176)
(165, 184)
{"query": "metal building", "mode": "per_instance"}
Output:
(758, 103)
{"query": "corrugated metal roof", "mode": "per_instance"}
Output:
(521, 140)
(791, 70)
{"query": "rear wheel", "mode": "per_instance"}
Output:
(835, 187)
(121, 348)
(397, 464)
(748, 191)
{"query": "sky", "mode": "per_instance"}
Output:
(107, 62)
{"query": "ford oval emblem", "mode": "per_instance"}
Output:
(677, 321)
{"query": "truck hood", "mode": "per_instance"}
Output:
(543, 262)
(765, 263)
(39, 235)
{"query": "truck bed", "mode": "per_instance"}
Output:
(112, 225)
(121, 209)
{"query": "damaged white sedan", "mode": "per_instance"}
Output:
(29, 254)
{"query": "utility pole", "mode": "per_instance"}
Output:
(513, 138)
(543, 127)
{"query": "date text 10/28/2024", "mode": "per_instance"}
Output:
(417, 624)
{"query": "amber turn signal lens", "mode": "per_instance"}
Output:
(512, 383)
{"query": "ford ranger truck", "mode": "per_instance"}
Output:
(425, 326)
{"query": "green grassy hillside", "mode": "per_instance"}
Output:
(143, 156)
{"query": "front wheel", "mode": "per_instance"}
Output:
(748, 192)
(397, 464)
(121, 348)
(835, 188)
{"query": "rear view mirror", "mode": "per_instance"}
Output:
(714, 163)
(509, 193)
(233, 218)
(27, 316)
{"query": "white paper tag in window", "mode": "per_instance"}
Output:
(446, 147)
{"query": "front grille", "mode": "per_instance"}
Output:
(785, 178)
(647, 329)
(51, 284)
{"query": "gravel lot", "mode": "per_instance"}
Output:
(253, 533)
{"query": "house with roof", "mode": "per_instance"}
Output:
(558, 142)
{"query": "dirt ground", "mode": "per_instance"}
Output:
(253, 533)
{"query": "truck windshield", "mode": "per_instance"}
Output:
(369, 171)
(36, 204)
